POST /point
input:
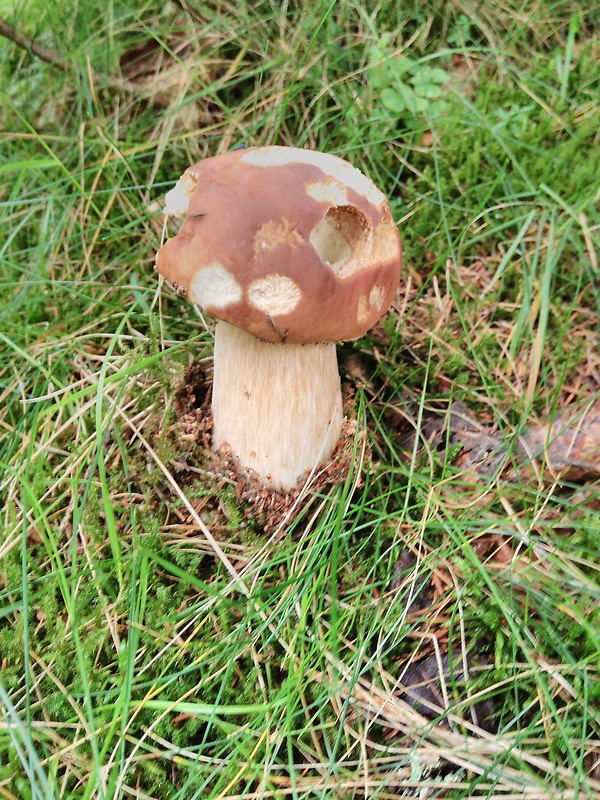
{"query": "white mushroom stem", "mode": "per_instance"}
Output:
(278, 406)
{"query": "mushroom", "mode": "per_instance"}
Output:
(291, 250)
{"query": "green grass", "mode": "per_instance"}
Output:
(156, 640)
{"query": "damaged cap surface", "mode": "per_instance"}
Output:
(291, 245)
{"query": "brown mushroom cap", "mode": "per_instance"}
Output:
(291, 245)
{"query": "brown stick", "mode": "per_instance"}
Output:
(38, 50)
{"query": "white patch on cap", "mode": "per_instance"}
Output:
(386, 245)
(177, 200)
(215, 287)
(274, 294)
(364, 311)
(273, 233)
(332, 166)
(327, 191)
(354, 179)
(376, 296)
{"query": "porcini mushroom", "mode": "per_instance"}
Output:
(291, 250)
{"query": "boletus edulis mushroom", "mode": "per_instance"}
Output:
(292, 251)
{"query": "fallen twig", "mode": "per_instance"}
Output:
(38, 50)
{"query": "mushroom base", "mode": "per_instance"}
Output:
(277, 406)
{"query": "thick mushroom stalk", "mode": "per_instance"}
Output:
(277, 406)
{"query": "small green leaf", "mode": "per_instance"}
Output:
(411, 101)
(429, 90)
(437, 109)
(376, 77)
(438, 75)
(393, 101)
(419, 104)
(400, 66)
(376, 54)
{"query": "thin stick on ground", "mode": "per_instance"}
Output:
(38, 50)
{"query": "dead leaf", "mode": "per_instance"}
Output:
(146, 62)
(428, 686)
(592, 763)
(162, 70)
(484, 450)
(569, 446)
(417, 587)
(493, 550)
(180, 718)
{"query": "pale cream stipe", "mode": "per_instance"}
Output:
(278, 406)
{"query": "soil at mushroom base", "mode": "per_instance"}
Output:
(264, 508)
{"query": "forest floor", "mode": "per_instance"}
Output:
(421, 618)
